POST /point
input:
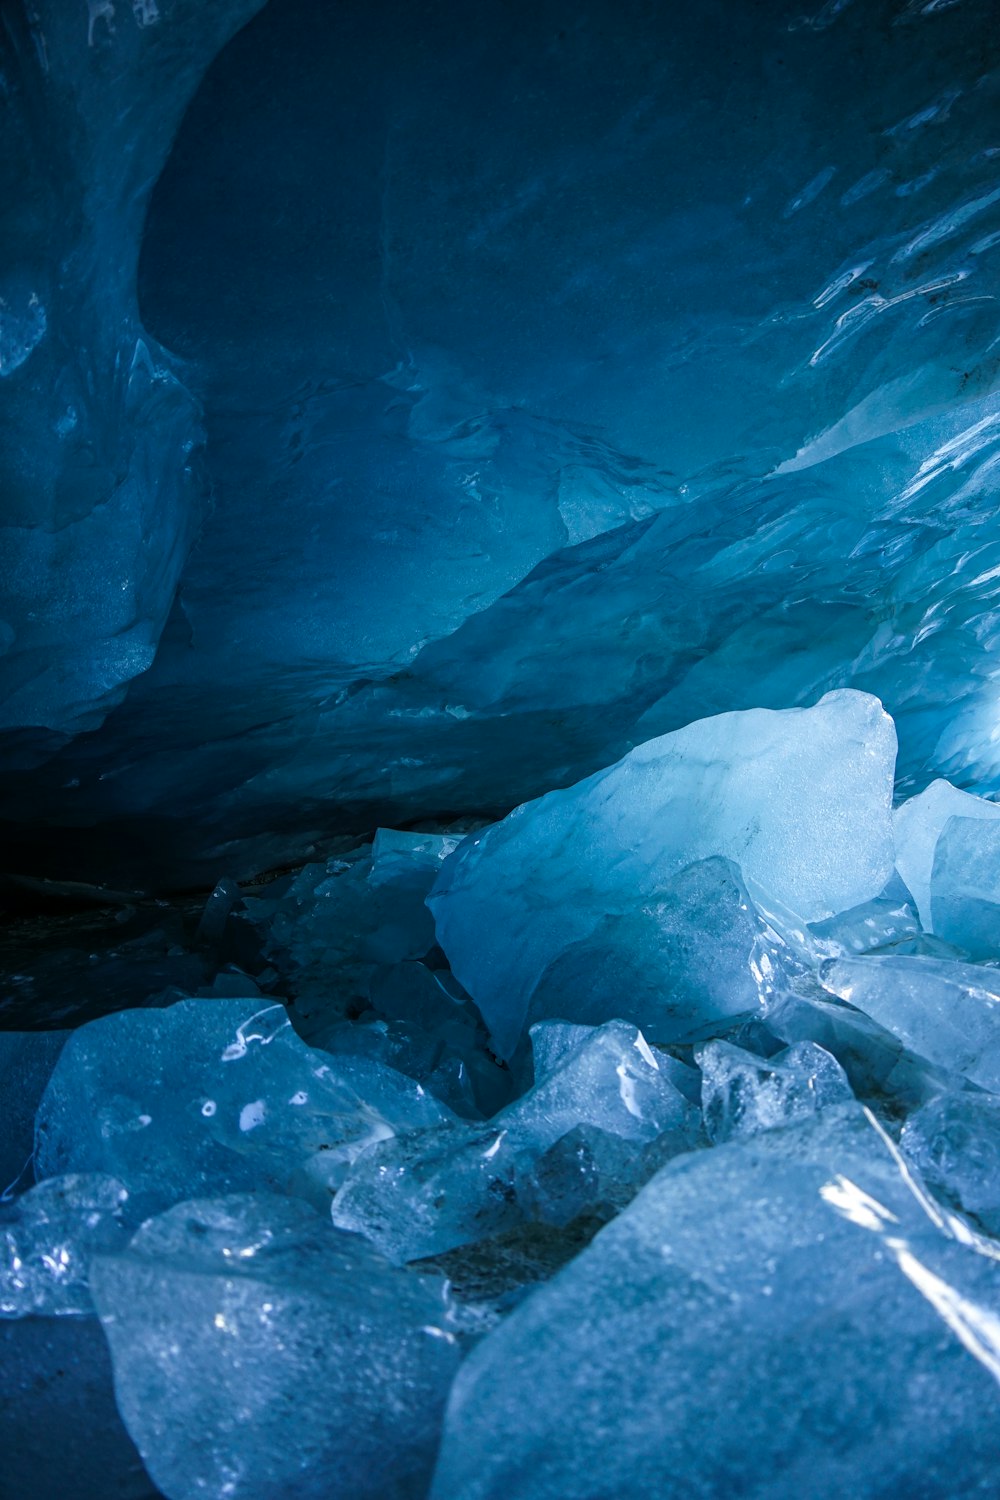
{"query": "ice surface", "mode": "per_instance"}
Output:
(540, 470)
(954, 1143)
(918, 825)
(259, 1353)
(47, 1238)
(965, 886)
(948, 1012)
(775, 1317)
(213, 1096)
(742, 1094)
(537, 914)
(422, 1194)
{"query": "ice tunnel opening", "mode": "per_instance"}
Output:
(499, 771)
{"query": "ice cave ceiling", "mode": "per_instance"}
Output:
(406, 409)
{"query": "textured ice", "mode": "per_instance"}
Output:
(948, 1012)
(214, 1096)
(538, 913)
(954, 1143)
(776, 1317)
(259, 1353)
(918, 825)
(965, 886)
(47, 1238)
(422, 1194)
(742, 1094)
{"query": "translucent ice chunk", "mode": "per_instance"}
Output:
(800, 799)
(47, 1237)
(212, 1096)
(801, 1255)
(426, 1193)
(259, 1354)
(918, 824)
(947, 1012)
(965, 885)
(742, 1094)
(954, 1142)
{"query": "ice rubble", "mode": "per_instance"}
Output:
(619, 1220)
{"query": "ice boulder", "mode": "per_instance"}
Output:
(945, 1011)
(215, 1096)
(742, 1094)
(260, 1355)
(918, 825)
(775, 1318)
(565, 906)
(426, 1193)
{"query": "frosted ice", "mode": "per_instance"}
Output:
(422, 1194)
(260, 1354)
(212, 1096)
(918, 825)
(47, 1238)
(742, 1094)
(800, 800)
(776, 1317)
(948, 1012)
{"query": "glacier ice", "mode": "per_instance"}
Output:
(792, 1282)
(423, 1193)
(259, 1353)
(954, 1143)
(965, 886)
(918, 825)
(800, 800)
(946, 1011)
(47, 1238)
(743, 1093)
(214, 1096)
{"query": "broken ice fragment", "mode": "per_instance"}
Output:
(945, 1011)
(423, 1194)
(954, 1142)
(212, 1096)
(965, 886)
(918, 824)
(261, 1355)
(47, 1238)
(557, 910)
(774, 1318)
(743, 1094)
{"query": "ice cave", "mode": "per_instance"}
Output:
(499, 749)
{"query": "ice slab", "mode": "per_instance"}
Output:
(423, 1194)
(211, 1096)
(918, 824)
(260, 1354)
(945, 1011)
(743, 1094)
(776, 1317)
(573, 882)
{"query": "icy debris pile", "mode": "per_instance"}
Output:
(660, 1079)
